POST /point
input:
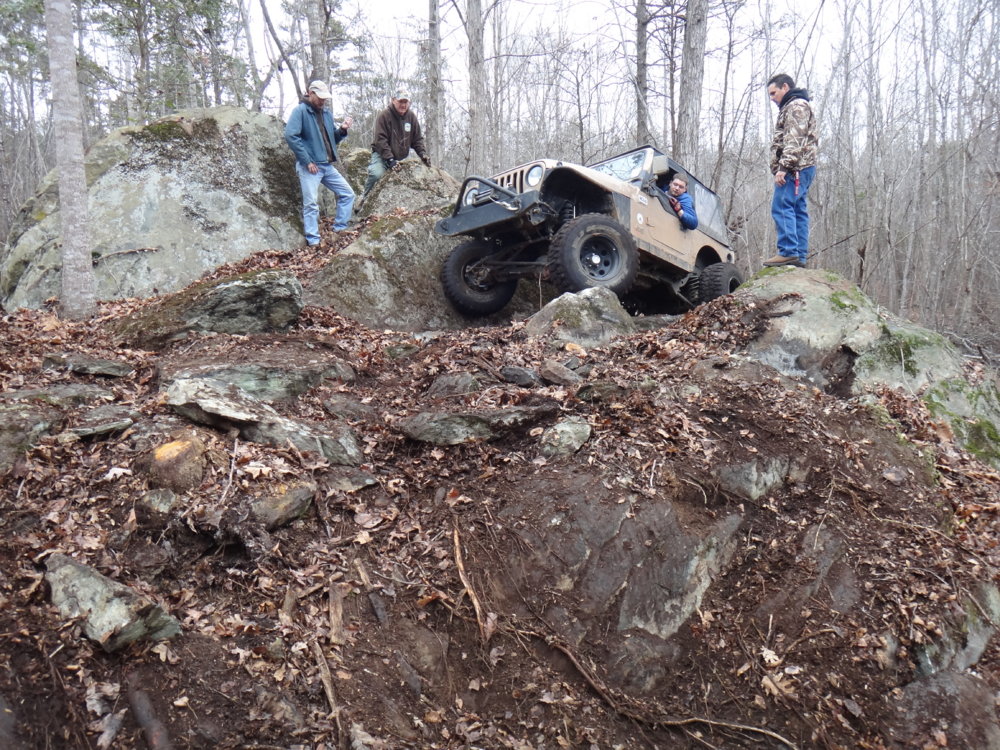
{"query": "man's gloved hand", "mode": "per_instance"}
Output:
(391, 163)
(426, 160)
(674, 204)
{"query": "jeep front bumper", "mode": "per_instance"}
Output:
(499, 209)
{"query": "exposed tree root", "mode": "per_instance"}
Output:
(152, 728)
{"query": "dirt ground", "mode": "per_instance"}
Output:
(385, 618)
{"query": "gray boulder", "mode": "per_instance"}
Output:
(388, 278)
(113, 615)
(593, 317)
(22, 425)
(601, 564)
(565, 437)
(288, 501)
(824, 329)
(411, 186)
(168, 201)
(960, 707)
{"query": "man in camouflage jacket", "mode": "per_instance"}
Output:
(794, 150)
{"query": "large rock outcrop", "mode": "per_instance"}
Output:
(167, 201)
(824, 329)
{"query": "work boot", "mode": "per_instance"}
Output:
(784, 260)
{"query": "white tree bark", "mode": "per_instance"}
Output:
(475, 30)
(642, 134)
(435, 93)
(315, 18)
(78, 288)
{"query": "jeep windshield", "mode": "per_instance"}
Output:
(625, 166)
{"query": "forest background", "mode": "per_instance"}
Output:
(907, 93)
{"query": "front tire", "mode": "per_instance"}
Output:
(590, 251)
(718, 280)
(469, 285)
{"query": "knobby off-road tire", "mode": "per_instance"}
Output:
(717, 280)
(470, 288)
(593, 250)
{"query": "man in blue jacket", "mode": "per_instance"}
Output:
(313, 138)
(680, 201)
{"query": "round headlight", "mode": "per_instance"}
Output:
(470, 195)
(534, 175)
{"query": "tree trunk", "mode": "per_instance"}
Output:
(315, 18)
(78, 295)
(692, 75)
(642, 135)
(474, 29)
(435, 94)
(258, 89)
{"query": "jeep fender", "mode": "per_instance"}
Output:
(587, 191)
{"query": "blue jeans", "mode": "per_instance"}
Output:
(334, 181)
(376, 168)
(791, 216)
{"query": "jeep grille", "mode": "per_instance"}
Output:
(512, 180)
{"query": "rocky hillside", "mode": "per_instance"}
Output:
(578, 531)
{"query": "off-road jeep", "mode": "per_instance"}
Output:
(608, 224)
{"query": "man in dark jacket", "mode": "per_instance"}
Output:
(396, 132)
(313, 138)
(794, 153)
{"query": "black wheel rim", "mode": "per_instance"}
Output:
(600, 258)
(478, 277)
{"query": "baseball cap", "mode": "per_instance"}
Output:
(320, 89)
(402, 93)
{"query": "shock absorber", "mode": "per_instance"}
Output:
(567, 213)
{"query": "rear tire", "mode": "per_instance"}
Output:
(590, 251)
(469, 286)
(718, 280)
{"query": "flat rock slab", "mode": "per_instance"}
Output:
(278, 371)
(63, 395)
(257, 302)
(86, 365)
(444, 428)
(104, 420)
(208, 402)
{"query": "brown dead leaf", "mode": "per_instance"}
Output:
(777, 685)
